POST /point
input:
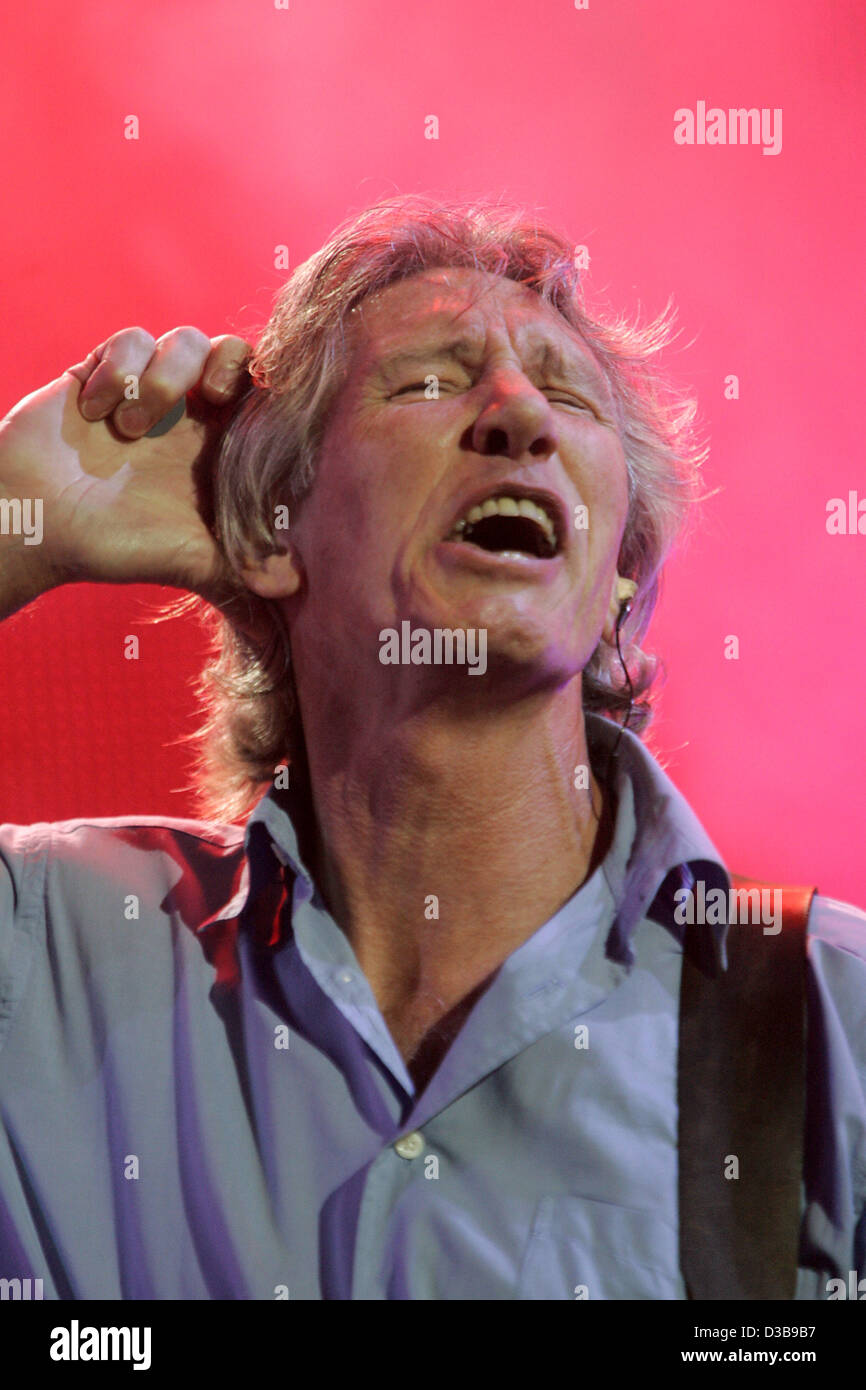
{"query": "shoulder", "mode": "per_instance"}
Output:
(836, 944)
(89, 901)
(97, 843)
(838, 926)
(65, 870)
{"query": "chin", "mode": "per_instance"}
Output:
(527, 635)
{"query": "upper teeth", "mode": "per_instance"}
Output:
(509, 506)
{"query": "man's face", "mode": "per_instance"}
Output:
(522, 413)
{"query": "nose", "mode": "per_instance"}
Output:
(516, 420)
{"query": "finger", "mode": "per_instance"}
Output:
(174, 368)
(225, 368)
(105, 372)
(84, 369)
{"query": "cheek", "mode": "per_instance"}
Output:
(607, 496)
(332, 516)
(343, 539)
(399, 464)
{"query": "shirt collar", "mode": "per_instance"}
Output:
(658, 844)
(270, 843)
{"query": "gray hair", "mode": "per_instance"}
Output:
(267, 457)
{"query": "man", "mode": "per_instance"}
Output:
(412, 1033)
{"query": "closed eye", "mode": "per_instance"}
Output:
(571, 400)
(420, 386)
(561, 399)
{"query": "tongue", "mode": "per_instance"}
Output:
(495, 533)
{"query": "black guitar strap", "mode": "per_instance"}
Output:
(742, 1098)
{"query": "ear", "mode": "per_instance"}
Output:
(273, 576)
(621, 591)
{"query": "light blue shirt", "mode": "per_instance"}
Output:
(199, 1096)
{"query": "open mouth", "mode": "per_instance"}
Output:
(510, 524)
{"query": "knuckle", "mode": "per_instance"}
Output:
(138, 339)
(233, 348)
(188, 339)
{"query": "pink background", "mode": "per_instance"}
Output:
(262, 126)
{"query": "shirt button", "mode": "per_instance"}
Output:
(410, 1146)
(346, 977)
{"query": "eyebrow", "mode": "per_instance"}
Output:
(454, 347)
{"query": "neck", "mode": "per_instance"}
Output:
(444, 840)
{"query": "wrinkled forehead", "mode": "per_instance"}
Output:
(445, 301)
(444, 289)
